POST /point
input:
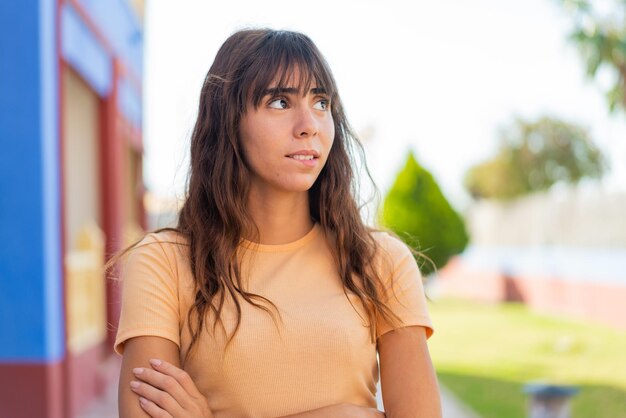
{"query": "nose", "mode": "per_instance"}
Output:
(306, 123)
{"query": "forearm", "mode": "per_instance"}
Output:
(343, 410)
(137, 353)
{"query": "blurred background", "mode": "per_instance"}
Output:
(495, 132)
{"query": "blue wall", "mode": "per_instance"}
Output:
(31, 305)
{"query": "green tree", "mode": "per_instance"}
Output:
(600, 33)
(533, 156)
(417, 211)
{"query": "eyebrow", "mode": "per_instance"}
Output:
(291, 90)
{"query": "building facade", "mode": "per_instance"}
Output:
(71, 194)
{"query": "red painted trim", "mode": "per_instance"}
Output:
(135, 140)
(112, 176)
(84, 381)
(102, 39)
(132, 134)
(32, 390)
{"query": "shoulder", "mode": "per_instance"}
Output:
(393, 257)
(390, 247)
(163, 241)
(171, 237)
(169, 248)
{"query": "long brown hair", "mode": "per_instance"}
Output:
(214, 219)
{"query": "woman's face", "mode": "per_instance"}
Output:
(286, 140)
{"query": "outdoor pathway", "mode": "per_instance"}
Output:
(454, 408)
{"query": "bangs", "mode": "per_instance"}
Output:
(286, 60)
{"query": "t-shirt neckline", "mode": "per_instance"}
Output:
(290, 246)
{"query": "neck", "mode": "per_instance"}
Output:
(280, 217)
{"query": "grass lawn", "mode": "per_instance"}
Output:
(486, 353)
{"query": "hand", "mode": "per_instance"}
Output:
(165, 391)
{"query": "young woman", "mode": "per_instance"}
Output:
(271, 297)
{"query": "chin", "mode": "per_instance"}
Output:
(297, 187)
(300, 183)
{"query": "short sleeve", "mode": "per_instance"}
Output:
(149, 295)
(403, 284)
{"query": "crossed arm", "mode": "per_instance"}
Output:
(408, 381)
(407, 377)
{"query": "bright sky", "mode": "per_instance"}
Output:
(437, 77)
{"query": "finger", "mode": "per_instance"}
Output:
(163, 382)
(153, 409)
(181, 376)
(160, 398)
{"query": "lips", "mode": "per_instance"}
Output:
(304, 155)
(307, 157)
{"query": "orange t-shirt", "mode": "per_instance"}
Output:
(317, 353)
